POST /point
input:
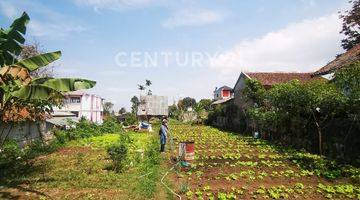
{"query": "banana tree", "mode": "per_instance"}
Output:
(23, 97)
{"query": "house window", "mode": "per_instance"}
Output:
(75, 100)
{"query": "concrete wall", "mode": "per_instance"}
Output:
(24, 132)
(188, 116)
(239, 99)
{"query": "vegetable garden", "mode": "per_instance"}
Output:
(228, 166)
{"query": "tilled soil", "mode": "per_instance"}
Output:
(250, 171)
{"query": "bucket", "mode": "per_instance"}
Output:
(257, 135)
(187, 150)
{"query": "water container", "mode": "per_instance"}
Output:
(187, 150)
(256, 135)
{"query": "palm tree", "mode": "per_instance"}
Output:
(141, 87)
(148, 83)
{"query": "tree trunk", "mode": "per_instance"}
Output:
(320, 139)
(319, 134)
(40, 126)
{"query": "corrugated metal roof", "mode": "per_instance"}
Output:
(153, 105)
(61, 121)
(221, 101)
(62, 114)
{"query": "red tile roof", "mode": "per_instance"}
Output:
(270, 78)
(344, 59)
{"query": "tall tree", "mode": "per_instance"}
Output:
(141, 88)
(351, 26)
(122, 111)
(204, 104)
(187, 102)
(108, 108)
(148, 83)
(135, 104)
(174, 112)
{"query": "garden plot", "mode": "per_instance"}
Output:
(227, 166)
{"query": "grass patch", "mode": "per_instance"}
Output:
(81, 168)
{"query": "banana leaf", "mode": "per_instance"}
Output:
(46, 88)
(67, 84)
(11, 40)
(39, 61)
(35, 92)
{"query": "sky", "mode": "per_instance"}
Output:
(185, 47)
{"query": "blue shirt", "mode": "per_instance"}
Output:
(163, 134)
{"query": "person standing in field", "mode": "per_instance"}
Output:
(163, 135)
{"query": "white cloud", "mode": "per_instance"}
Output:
(302, 46)
(191, 17)
(309, 3)
(47, 23)
(8, 9)
(113, 4)
(183, 13)
(53, 30)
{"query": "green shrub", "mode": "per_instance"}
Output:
(130, 119)
(150, 166)
(110, 126)
(61, 136)
(118, 153)
(11, 154)
(86, 129)
(152, 152)
(35, 148)
(13, 157)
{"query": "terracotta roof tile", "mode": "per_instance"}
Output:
(270, 78)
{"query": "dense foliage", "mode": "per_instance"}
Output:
(118, 153)
(351, 26)
(319, 116)
(86, 129)
(130, 119)
(227, 116)
(186, 103)
(14, 159)
(197, 114)
(135, 102)
(174, 112)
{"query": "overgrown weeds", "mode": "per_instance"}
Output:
(150, 169)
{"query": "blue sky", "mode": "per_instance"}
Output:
(241, 35)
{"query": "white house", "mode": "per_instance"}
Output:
(85, 105)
